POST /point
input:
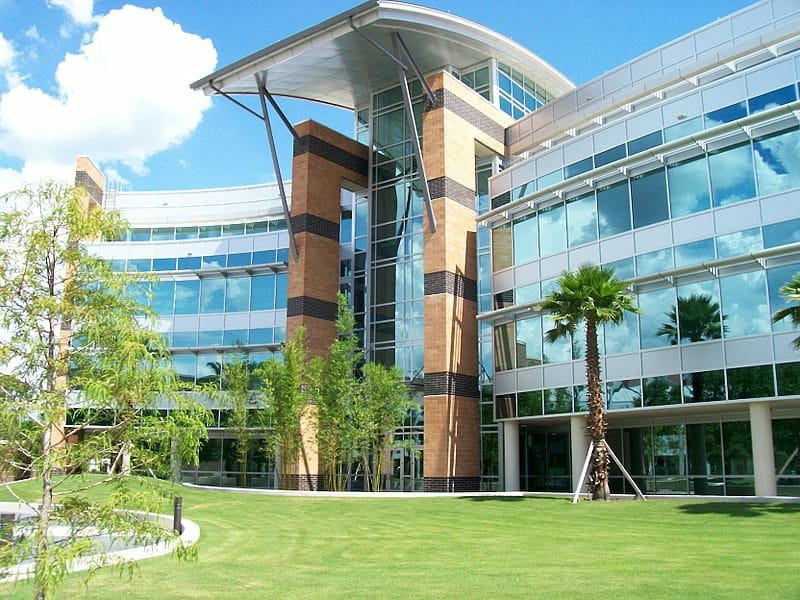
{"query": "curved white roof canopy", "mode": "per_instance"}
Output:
(333, 64)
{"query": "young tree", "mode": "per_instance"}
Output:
(246, 405)
(592, 296)
(76, 353)
(791, 293)
(291, 385)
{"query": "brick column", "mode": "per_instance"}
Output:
(452, 127)
(324, 163)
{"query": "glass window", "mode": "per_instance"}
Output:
(523, 190)
(261, 335)
(738, 445)
(788, 375)
(726, 115)
(184, 339)
(237, 294)
(208, 231)
(283, 255)
(501, 299)
(280, 337)
(528, 293)
(209, 338)
(649, 198)
(688, 187)
(750, 382)
(623, 337)
(552, 230)
(138, 265)
(623, 268)
(704, 386)
(256, 227)
(505, 406)
(662, 391)
(346, 227)
(744, 304)
(262, 293)
(529, 403)
(777, 164)
(187, 297)
(608, 156)
(699, 318)
(501, 200)
(502, 247)
(185, 366)
(657, 310)
(234, 337)
(529, 342)
(209, 367)
(240, 259)
(212, 296)
(264, 257)
(772, 99)
(614, 210)
(216, 261)
(739, 243)
(778, 234)
(230, 229)
(777, 277)
(187, 263)
(645, 143)
(557, 400)
(683, 128)
(504, 351)
(624, 394)
(163, 296)
(694, 253)
(558, 351)
(732, 175)
(526, 245)
(163, 233)
(277, 225)
(164, 264)
(140, 234)
(186, 233)
(281, 290)
(581, 220)
(654, 262)
(549, 179)
(577, 168)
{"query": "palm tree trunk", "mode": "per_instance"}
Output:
(596, 423)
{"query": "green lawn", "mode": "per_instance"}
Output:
(256, 546)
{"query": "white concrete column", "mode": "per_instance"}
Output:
(763, 454)
(511, 456)
(579, 445)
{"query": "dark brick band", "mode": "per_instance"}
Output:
(446, 282)
(306, 306)
(306, 483)
(444, 187)
(448, 100)
(452, 484)
(82, 179)
(310, 223)
(447, 383)
(310, 144)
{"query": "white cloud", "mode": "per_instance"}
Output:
(6, 53)
(33, 33)
(118, 99)
(79, 11)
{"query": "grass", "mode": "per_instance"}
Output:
(256, 546)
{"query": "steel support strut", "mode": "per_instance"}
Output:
(412, 123)
(262, 96)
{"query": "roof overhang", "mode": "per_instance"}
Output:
(334, 64)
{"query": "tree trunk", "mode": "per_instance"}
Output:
(596, 423)
(42, 542)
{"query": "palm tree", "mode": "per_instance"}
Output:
(791, 293)
(591, 295)
(696, 319)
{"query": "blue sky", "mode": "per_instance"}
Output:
(110, 79)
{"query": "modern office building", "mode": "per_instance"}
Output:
(477, 173)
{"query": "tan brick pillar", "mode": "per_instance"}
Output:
(324, 162)
(451, 127)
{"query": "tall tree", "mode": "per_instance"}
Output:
(291, 385)
(791, 293)
(591, 296)
(77, 352)
(696, 319)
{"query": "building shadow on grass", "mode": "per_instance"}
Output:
(492, 498)
(740, 509)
